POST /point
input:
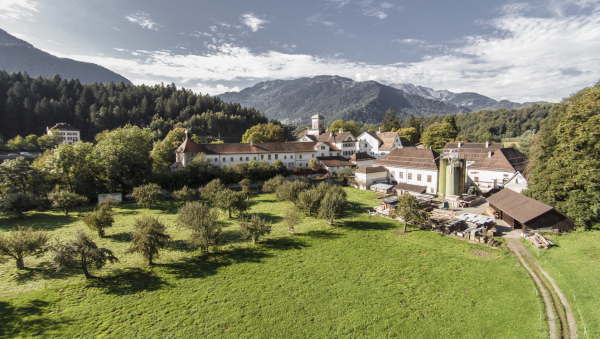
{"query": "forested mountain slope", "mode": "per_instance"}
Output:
(28, 105)
(334, 97)
(17, 55)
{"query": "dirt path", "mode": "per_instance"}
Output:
(568, 327)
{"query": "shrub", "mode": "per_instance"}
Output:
(147, 195)
(211, 189)
(99, 220)
(289, 190)
(109, 202)
(186, 194)
(291, 218)
(17, 204)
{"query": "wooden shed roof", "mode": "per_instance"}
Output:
(518, 206)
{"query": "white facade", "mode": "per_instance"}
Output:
(414, 176)
(289, 160)
(517, 183)
(365, 180)
(68, 135)
(373, 145)
(487, 179)
(363, 163)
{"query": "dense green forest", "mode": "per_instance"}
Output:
(29, 105)
(494, 125)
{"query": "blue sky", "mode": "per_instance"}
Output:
(521, 51)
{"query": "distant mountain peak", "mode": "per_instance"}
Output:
(7, 39)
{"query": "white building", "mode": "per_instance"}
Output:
(362, 160)
(296, 154)
(68, 133)
(517, 183)
(497, 169)
(335, 164)
(412, 166)
(365, 177)
(381, 143)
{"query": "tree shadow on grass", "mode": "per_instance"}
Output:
(42, 221)
(323, 234)
(26, 321)
(372, 224)
(130, 281)
(42, 271)
(120, 237)
(272, 218)
(179, 245)
(283, 244)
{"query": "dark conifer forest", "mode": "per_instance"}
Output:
(29, 105)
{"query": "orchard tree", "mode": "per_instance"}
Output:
(291, 218)
(185, 194)
(17, 204)
(254, 227)
(148, 238)
(64, 200)
(147, 195)
(271, 185)
(81, 252)
(204, 223)
(245, 183)
(290, 190)
(23, 242)
(332, 206)
(309, 200)
(230, 201)
(211, 189)
(99, 220)
(410, 210)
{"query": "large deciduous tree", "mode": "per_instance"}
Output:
(564, 163)
(204, 223)
(23, 242)
(148, 238)
(99, 220)
(230, 201)
(147, 195)
(64, 200)
(410, 134)
(17, 204)
(437, 135)
(264, 133)
(163, 152)
(81, 252)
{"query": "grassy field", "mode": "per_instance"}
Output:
(574, 266)
(360, 278)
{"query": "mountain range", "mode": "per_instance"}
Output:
(17, 55)
(335, 97)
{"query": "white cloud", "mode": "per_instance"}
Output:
(410, 41)
(17, 9)
(214, 90)
(253, 21)
(143, 19)
(379, 11)
(528, 59)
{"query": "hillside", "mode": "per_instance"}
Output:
(17, 55)
(473, 101)
(334, 97)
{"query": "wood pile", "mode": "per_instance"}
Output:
(491, 212)
(494, 242)
(540, 241)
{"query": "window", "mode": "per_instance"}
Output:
(409, 176)
(224, 160)
(476, 179)
(429, 178)
(291, 157)
(322, 154)
(401, 175)
(262, 156)
(246, 158)
(276, 156)
(300, 156)
(216, 159)
(313, 155)
(506, 175)
(418, 177)
(338, 153)
(269, 157)
(231, 159)
(253, 158)
(475, 173)
(285, 157)
(322, 147)
(240, 158)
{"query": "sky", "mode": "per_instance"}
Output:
(541, 50)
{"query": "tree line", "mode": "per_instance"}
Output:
(29, 105)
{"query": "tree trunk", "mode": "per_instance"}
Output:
(101, 233)
(84, 267)
(253, 240)
(404, 226)
(20, 264)
(291, 230)
(150, 263)
(66, 211)
(230, 212)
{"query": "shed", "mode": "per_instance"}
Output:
(519, 211)
(403, 188)
(382, 188)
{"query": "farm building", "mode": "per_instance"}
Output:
(362, 159)
(335, 164)
(521, 212)
(412, 166)
(517, 183)
(365, 177)
(382, 188)
(415, 190)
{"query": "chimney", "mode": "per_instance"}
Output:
(251, 143)
(341, 130)
(379, 130)
(331, 133)
(490, 153)
(487, 144)
(459, 144)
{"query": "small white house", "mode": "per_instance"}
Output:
(362, 160)
(365, 177)
(334, 164)
(68, 133)
(412, 166)
(381, 143)
(496, 169)
(517, 183)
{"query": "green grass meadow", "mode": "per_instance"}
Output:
(574, 264)
(361, 277)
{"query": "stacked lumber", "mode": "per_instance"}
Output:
(540, 241)
(494, 242)
(491, 212)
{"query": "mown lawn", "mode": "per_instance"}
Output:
(574, 264)
(361, 277)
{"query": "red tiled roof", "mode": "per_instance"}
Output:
(410, 158)
(504, 159)
(474, 150)
(330, 136)
(362, 156)
(268, 147)
(371, 169)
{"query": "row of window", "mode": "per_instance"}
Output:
(349, 145)
(409, 176)
(262, 157)
(68, 133)
(70, 138)
(348, 152)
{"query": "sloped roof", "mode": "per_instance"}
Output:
(410, 158)
(371, 170)
(331, 136)
(361, 156)
(372, 134)
(335, 161)
(412, 188)
(474, 151)
(317, 116)
(268, 147)
(518, 206)
(504, 159)
(387, 139)
(63, 126)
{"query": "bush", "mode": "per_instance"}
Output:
(147, 195)
(186, 194)
(17, 204)
(289, 190)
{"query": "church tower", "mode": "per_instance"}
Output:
(318, 125)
